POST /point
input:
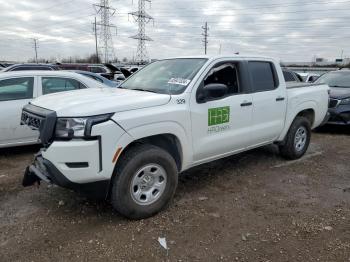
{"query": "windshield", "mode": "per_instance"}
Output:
(335, 79)
(170, 76)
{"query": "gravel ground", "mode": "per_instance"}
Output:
(250, 207)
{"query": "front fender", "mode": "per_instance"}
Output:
(166, 127)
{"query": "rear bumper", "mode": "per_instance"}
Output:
(43, 170)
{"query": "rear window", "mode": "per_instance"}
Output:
(288, 76)
(263, 76)
(16, 88)
(98, 70)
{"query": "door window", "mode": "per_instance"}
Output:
(263, 76)
(59, 84)
(226, 74)
(16, 88)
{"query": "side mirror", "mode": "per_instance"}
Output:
(212, 91)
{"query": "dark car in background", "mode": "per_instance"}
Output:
(98, 78)
(339, 103)
(26, 67)
(108, 71)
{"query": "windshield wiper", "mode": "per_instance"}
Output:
(340, 86)
(144, 90)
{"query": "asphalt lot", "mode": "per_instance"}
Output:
(250, 207)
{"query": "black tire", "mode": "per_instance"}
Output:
(288, 149)
(129, 164)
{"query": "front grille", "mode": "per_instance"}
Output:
(41, 119)
(31, 120)
(333, 103)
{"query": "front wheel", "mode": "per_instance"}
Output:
(145, 182)
(297, 140)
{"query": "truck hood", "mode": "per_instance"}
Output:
(339, 93)
(97, 101)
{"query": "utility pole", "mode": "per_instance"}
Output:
(205, 34)
(36, 49)
(142, 18)
(95, 31)
(106, 12)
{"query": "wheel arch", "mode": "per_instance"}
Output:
(167, 141)
(307, 110)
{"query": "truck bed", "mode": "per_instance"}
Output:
(291, 85)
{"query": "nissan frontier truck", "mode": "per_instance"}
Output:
(128, 145)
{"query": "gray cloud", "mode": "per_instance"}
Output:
(292, 30)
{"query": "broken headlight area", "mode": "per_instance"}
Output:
(78, 127)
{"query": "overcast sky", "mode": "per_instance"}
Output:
(291, 30)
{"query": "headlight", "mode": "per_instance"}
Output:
(78, 126)
(345, 101)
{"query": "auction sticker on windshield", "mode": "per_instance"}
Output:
(179, 81)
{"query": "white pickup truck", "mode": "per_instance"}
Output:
(128, 145)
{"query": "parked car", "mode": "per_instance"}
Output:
(309, 77)
(5, 64)
(98, 78)
(339, 104)
(26, 67)
(94, 68)
(291, 76)
(130, 143)
(19, 88)
(108, 71)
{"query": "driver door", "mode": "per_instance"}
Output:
(221, 125)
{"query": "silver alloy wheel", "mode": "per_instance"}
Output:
(148, 184)
(300, 138)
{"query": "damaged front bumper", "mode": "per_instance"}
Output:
(43, 170)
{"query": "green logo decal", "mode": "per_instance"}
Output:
(218, 116)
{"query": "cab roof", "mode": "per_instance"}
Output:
(234, 56)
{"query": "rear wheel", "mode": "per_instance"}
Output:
(297, 140)
(145, 182)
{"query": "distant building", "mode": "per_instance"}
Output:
(342, 61)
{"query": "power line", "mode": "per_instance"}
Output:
(264, 6)
(205, 34)
(142, 18)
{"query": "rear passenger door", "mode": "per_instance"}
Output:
(59, 84)
(14, 94)
(269, 102)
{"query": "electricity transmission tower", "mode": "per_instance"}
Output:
(94, 29)
(36, 49)
(106, 12)
(205, 34)
(142, 18)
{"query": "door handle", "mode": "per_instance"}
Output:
(280, 98)
(245, 103)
